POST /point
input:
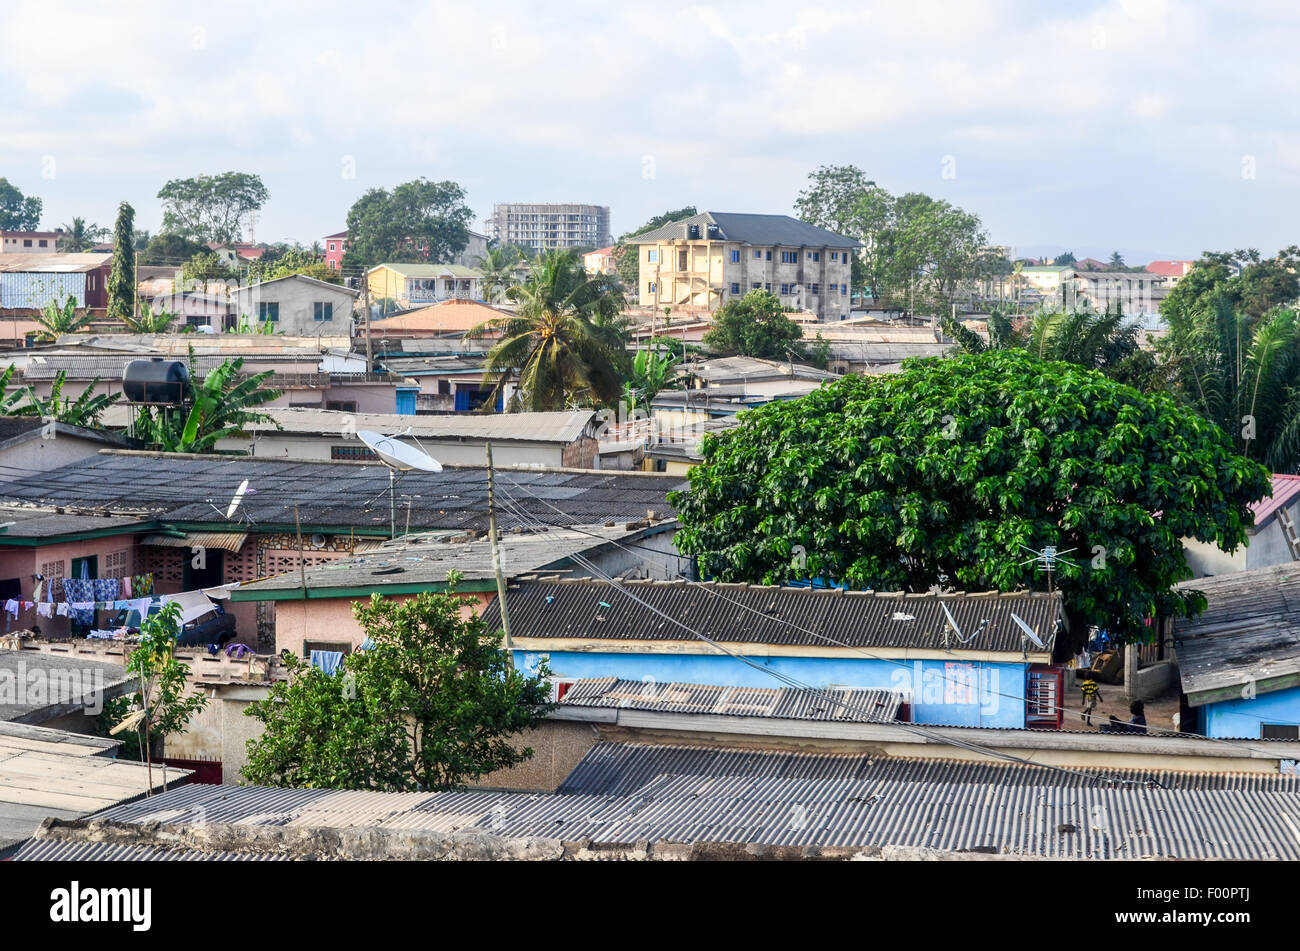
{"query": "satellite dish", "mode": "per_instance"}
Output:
(397, 455)
(236, 499)
(1029, 633)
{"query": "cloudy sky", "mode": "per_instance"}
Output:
(1155, 127)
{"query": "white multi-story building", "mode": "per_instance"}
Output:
(700, 262)
(551, 225)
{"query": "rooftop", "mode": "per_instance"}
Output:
(53, 263)
(422, 563)
(1248, 633)
(428, 270)
(42, 687)
(750, 229)
(47, 522)
(334, 496)
(561, 428)
(626, 793)
(746, 369)
(1285, 489)
(450, 316)
(52, 773)
(759, 614)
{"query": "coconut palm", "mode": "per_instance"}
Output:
(498, 267)
(566, 343)
(80, 236)
(58, 319)
(220, 405)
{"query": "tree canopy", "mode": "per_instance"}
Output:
(122, 287)
(947, 472)
(756, 325)
(211, 207)
(432, 703)
(169, 250)
(627, 259)
(418, 220)
(18, 212)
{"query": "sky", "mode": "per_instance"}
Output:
(1152, 127)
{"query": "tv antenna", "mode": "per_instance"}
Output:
(396, 457)
(1048, 559)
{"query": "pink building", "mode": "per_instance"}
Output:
(335, 245)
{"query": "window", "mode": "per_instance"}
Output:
(44, 243)
(27, 242)
(769, 255)
(767, 287)
(652, 256)
(758, 255)
(444, 387)
(814, 288)
(683, 260)
(835, 255)
(735, 257)
(786, 290)
(756, 286)
(342, 406)
(844, 289)
(651, 288)
(322, 311)
(789, 257)
(814, 256)
(268, 310)
(1279, 731)
(735, 288)
(331, 245)
(341, 647)
(346, 453)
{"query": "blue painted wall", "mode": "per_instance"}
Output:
(1235, 719)
(950, 693)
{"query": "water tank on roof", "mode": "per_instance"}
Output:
(693, 232)
(156, 381)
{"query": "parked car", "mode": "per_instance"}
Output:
(198, 627)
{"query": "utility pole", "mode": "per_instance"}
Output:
(365, 313)
(507, 644)
(135, 291)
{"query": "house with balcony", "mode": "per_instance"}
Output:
(701, 262)
(413, 285)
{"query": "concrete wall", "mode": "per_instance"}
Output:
(44, 454)
(331, 619)
(296, 299)
(952, 693)
(23, 562)
(557, 747)
(280, 445)
(1243, 718)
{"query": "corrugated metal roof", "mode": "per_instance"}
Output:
(625, 793)
(757, 614)
(53, 263)
(1248, 633)
(562, 427)
(1285, 489)
(227, 541)
(832, 703)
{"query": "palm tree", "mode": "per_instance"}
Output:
(1242, 373)
(219, 406)
(86, 410)
(80, 236)
(498, 267)
(566, 343)
(59, 319)
(150, 321)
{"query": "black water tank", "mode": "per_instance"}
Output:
(156, 381)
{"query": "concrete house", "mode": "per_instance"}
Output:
(1272, 540)
(701, 262)
(298, 304)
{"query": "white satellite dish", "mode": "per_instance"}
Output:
(1029, 633)
(398, 455)
(236, 499)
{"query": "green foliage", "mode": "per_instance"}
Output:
(755, 326)
(388, 226)
(164, 692)
(652, 371)
(17, 212)
(169, 250)
(290, 261)
(1065, 260)
(211, 207)
(114, 711)
(58, 319)
(498, 269)
(150, 321)
(80, 236)
(204, 267)
(946, 469)
(220, 404)
(432, 705)
(566, 341)
(819, 354)
(85, 410)
(122, 287)
(1250, 284)
(832, 198)
(627, 260)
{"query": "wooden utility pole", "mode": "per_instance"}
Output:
(302, 571)
(135, 291)
(507, 644)
(365, 313)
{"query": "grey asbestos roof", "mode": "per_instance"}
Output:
(752, 369)
(784, 703)
(627, 793)
(756, 614)
(1249, 633)
(106, 366)
(562, 427)
(751, 229)
(54, 685)
(48, 523)
(338, 496)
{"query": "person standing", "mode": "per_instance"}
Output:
(1091, 695)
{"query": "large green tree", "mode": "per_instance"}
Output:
(955, 468)
(211, 207)
(832, 196)
(18, 212)
(169, 250)
(756, 325)
(627, 259)
(122, 289)
(286, 261)
(1251, 284)
(418, 220)
(565, 344)
(432, 704)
